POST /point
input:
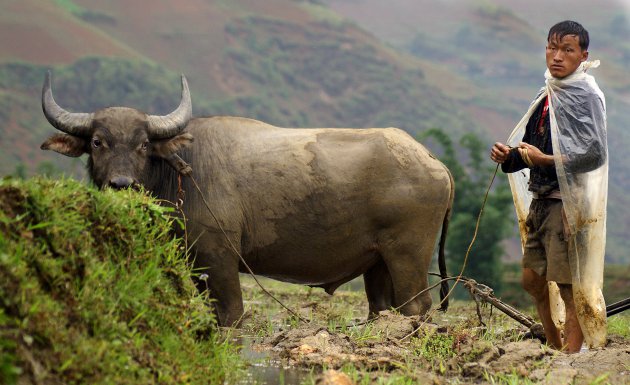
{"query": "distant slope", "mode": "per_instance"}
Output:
(288, 63)
(498, 45)
(291, 63)
(43, 32)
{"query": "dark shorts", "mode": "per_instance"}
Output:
(546, 248)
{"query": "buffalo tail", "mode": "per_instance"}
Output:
(444, 286)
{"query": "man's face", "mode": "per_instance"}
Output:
(564, 55)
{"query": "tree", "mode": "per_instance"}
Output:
(471, 170)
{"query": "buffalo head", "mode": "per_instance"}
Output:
(119, 141)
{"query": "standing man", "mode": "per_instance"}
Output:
(560, 190)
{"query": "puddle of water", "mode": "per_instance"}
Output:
(264, 370)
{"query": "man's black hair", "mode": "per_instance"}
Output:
(569, 27)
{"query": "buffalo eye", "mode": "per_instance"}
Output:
(96, 142)
(144, 145)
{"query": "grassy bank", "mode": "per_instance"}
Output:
(94, 289)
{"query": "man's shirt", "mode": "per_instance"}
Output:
(542, 180)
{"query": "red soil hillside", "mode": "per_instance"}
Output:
(41, 32)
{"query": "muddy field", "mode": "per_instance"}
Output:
(456, 347)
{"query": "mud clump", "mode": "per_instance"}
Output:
(396, 327)
(319, 347)
(519, 357)
(333, 377)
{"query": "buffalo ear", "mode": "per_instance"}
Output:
(67, 145)
(167, 147)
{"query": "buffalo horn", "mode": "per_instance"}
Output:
(73, 123)
(162, 127)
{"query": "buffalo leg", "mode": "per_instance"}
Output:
(219, 275)
(378, 288)
(408, 264)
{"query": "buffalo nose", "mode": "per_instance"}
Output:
(120, 182)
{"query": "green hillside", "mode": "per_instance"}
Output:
(302, 69)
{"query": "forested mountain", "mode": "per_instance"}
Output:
(459, 65)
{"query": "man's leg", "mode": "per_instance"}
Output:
(573, 337)
(536, 286)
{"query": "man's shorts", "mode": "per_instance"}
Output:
(546, 248)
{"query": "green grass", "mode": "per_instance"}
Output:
(434, 346)
(360, 377)
(619, 324)
(94, 288)
(507, 379)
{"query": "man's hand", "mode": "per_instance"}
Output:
(499, 152)
(536, 156)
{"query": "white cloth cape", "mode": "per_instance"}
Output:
(578, 130)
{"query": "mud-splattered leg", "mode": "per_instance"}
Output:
(573, 336)
(537, 287)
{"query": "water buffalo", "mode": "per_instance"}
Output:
(312, 206)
